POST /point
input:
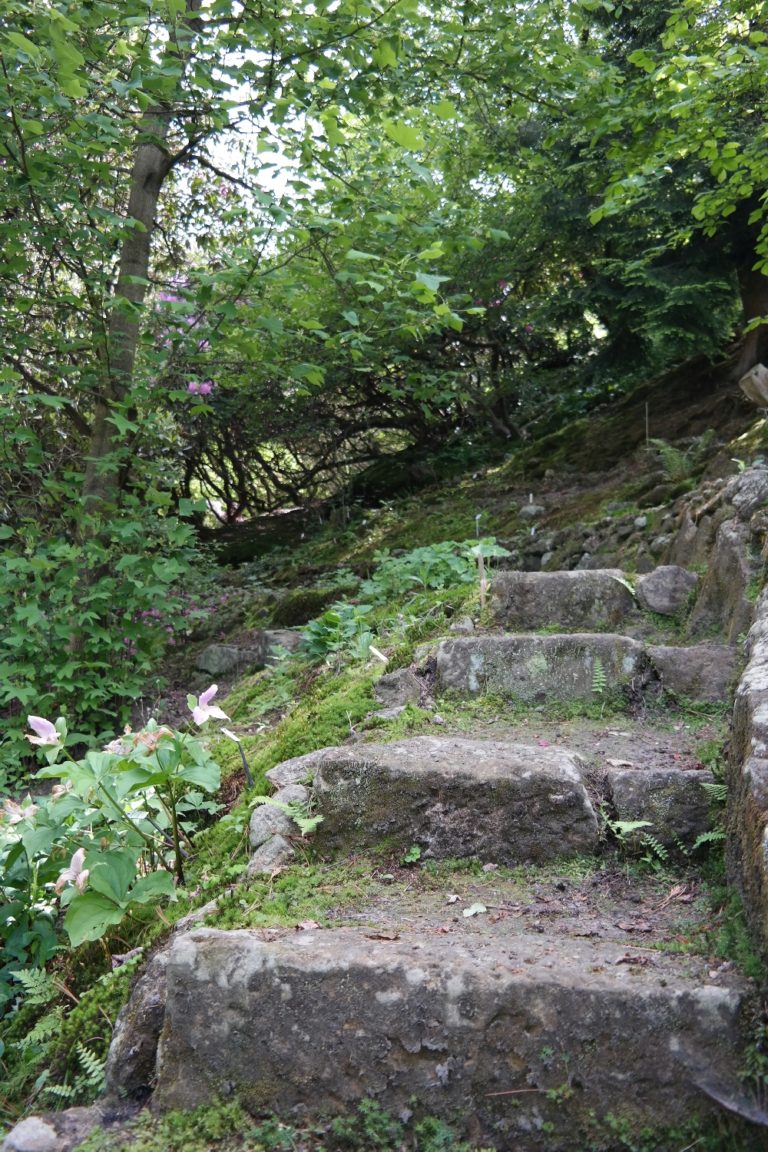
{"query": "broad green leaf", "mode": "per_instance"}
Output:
(89, 915)
(20, 41)
(149, 887)
(445, 110)
(404, 135)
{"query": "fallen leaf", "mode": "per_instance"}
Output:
(454, 896)
(496, 916)
(490, 867)
(619, 763)
(475, 910)
(307, 925)
(382, 935)
(642, 961)
(634, 926)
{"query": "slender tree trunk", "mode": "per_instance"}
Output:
(753, 286)
(150, 167)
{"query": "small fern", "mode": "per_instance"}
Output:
(717, 791)
(713, 836)
(88, 1082)
(39, 987)
(44, 1030)
(655, 849)
(599, 678)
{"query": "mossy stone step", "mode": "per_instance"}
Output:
(496, 800)
(524, 1041)
(580, 666)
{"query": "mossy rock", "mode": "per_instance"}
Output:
(304, 604)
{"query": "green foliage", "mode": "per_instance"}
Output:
(344, 628)
(85, 621)
(110, 837)
(432, 567)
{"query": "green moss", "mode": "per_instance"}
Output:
(320, 892)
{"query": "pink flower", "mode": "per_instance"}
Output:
(206, 388)
(193, 387)
(46, 732)
(203, 710)
(75, 874)
(14, 813)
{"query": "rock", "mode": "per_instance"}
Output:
(322, 1019)
(673, 800)
(130, 1069)
(266, 821)
(722, 604)
(531, 511)
(754, 385)
(398, 688)
(293, 771)
(748, 492)
(33, 1135)
(223, 659)
(666, 590)
(640, 522)
(583, 600)
(537, 668)
(659, 545)
(464, 626)
(274, 853)
(228, 659)
(455, 798)
(293, 794)
(701, 672)
(390, 713)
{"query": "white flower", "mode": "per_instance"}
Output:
(46, 732)
(75, 874)
(14, 813)
(204, 710)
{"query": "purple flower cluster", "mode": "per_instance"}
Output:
(201, 388)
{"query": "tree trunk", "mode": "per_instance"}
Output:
(753, 286)
(150, 167)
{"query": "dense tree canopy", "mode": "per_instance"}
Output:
(248, 249)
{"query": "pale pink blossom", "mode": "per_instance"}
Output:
(46, 732)
(14, 813)
(204, 710)
(75, 874)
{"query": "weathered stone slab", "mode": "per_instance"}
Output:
(478, 1033)
(506, 803)
(672, 800)
(579, 599)
(722, 603)
(539, 668)
(666, 590)
(273, 853)
(700, 672)
(398, 688)
(747, 845)
(130, 1069)
(226, 659)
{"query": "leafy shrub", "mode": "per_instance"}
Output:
(85, 620)
(436, 566)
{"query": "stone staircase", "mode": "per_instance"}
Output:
(533, 1003)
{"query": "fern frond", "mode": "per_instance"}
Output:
(39, 987)
(655, 846)
(46, 1027)
(599, 678)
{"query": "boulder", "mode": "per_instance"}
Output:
(672, 800)
(580, 599)
(538, 668)
(699, 672)
(398, 688)
(666, 590)
(273, 853)
(130, 1069)
(455, 797)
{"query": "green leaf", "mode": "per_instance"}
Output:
(152, 886)
(429, 281)
(404, 135)
(89, 915)
(23, 43)
(356, 254)
(445, 110)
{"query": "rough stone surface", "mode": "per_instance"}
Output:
(722, 605)
(274, 853)
(747, 844)
(266, 821)
(294, 771)
(33, 1135)
(326, 1018)
(748, 492)
(674, 802)
(130, 1066)
(537, 668)
(396, 689)
(455, 798)
(700, 672)
(666, 590)
(228, 659)
(581, 599)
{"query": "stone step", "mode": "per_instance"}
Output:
(497, 800)
(580, 666)
(591, 600)
(523, 1040)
